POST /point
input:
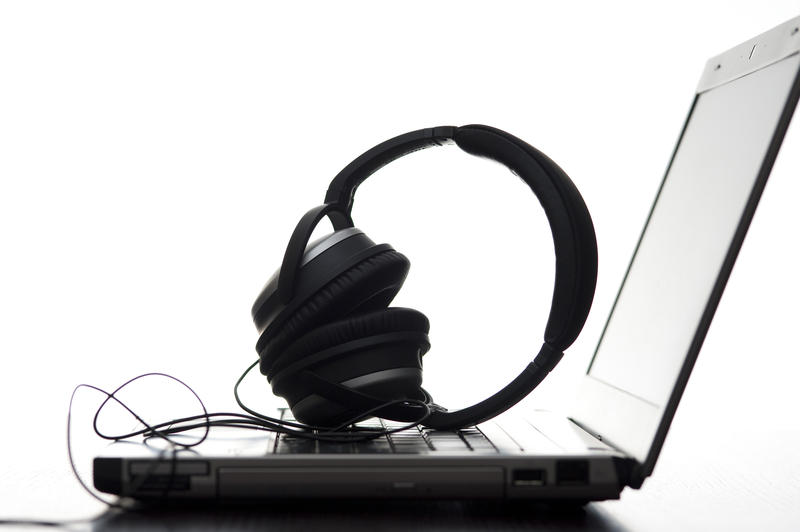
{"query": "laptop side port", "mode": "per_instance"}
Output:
(528, 477)
(572, 472)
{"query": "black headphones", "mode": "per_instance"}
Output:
(330, 346)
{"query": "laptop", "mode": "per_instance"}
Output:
(613, 433)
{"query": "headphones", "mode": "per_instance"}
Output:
(329, 343)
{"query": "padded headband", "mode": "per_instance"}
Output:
(570, 223)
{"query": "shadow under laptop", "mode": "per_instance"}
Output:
(355, 515)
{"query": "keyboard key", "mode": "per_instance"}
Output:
(409, 442)
(447, 441)
(288, 444)
(376, 446)
(329, 447)
(410, 448)
(477, 441)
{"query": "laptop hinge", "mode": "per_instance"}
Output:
(625, 466)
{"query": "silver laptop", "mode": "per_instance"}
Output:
(628, 396)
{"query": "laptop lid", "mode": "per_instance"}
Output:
(685, 254)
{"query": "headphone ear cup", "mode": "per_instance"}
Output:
(369, 285)
(378, 353)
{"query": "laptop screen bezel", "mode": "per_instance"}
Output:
(609, 412)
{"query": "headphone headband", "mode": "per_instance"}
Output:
(570, 223)
(575, 269)
(343, 187)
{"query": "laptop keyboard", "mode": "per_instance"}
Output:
(415, 440)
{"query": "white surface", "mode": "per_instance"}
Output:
(154, 158)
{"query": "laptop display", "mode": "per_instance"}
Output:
(685, 253)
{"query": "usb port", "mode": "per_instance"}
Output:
(572, 472)
(528, 477)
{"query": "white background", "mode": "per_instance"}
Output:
(154, 158)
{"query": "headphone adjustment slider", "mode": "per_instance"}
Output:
(547, 358)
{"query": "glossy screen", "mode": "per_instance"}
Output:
(689, 232)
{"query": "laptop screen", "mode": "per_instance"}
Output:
(689, 242)
(689, 232)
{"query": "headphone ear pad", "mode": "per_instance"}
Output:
(390, 320)
(378, 353)
(369, 285)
